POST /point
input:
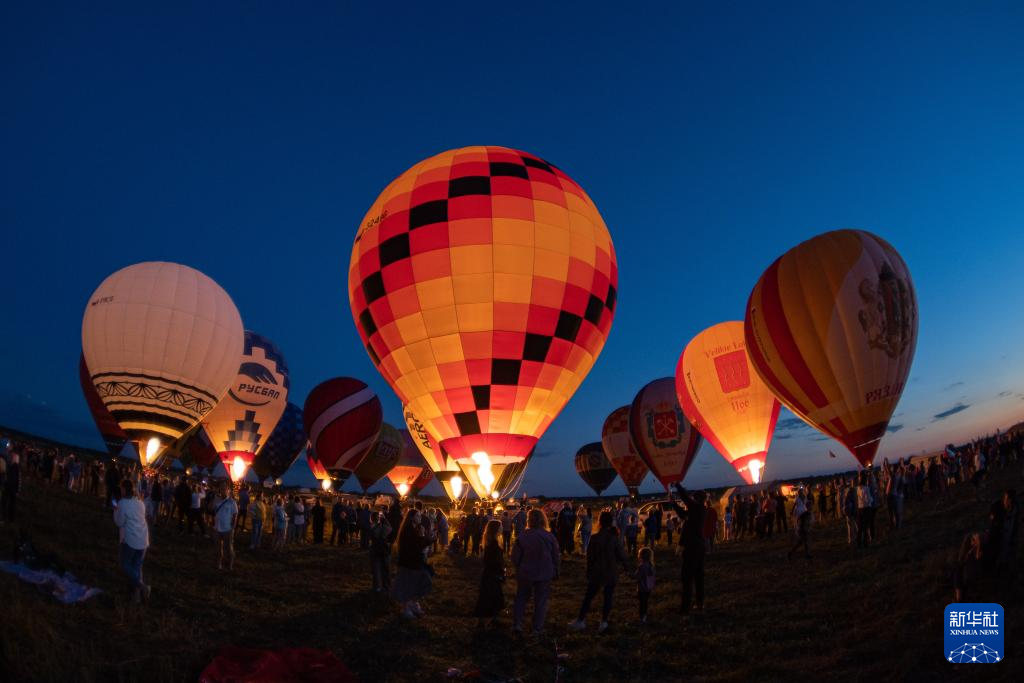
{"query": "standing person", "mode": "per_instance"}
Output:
(225, 516)
(604, 555)
(256, 513)
(536, 557)
(280, 524)
(632, 533)
(802, 523)
(470, 542)
(441, 520)
(519, 521)
(363, 519)
(156, 496)
(12, 484)
(726, 526)
(864, 503)
(849, 505)
(586, 528)
(566, 529)
(692, 543)
(243, 507)
(781, 524)
(113, 482)
(413, 580)
(506, 533)
(182, 503)
(644, 581)
(319, 516)
(130, 518)
(300, 520)
(490, 600)
(339, 526)
(195, 511)
(380, 551)
(711, 524)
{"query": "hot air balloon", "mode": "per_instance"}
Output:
(282, 446)
(245, 417)
(618, 446)
(661, 434)
(483, 284)
(726, 400)
(113, 436)
(594, 467)
(384, 455)
(343, 418)
(318, 469)
(409, 467)
(446, 469)
(422, 481)
(831, 328)
(162, 343)
(195, 450)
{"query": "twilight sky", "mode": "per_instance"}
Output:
(248, 139)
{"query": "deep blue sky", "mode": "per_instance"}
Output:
(248, 139)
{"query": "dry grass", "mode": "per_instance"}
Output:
(850, 615)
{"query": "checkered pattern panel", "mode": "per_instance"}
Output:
(618, 446)
(483, 282)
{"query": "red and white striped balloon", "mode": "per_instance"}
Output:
(343, 418)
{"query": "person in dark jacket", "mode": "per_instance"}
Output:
(491, 600)
(605, 555)
(567, 529)
(691, 540)
(474, 526)
(413, 579)
(182, 502)
(363, 519)
(536, 558)
(319, 516)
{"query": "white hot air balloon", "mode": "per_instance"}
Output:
(162, 343)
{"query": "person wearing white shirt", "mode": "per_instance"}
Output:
(130, 518)
(225, 514)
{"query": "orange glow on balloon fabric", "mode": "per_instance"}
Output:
(483, 282)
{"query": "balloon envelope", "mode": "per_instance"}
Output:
(618, 446)
(661, 434)
(831, 328)
(726, 400)
(483, 284)
(383, 456)
(594, 467)
(162, 343)
(240, 424)
(113, 436)
(283, 445)
(435, 456)
(410, 464)
(343, 418)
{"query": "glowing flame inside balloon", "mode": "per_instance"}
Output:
(483, 469)
(238, 468)
(495, 495)
(325, 484)
(152, 448)
(403, 489)
(456, 483)
(756, 469)
(277, 481)
(188, 471)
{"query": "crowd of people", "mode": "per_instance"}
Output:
(530, 541)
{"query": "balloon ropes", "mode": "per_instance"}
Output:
(483, 283)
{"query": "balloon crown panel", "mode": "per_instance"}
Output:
(483, 283)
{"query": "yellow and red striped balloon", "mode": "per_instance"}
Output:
(831, 328)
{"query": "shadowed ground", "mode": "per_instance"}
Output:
(867, 615)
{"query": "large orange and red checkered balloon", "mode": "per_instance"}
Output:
(661, 434)
(726, 400)
(343, 418)
(618, 446)
(483, 283)
(831, 328)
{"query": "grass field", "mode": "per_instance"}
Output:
(869, 615)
